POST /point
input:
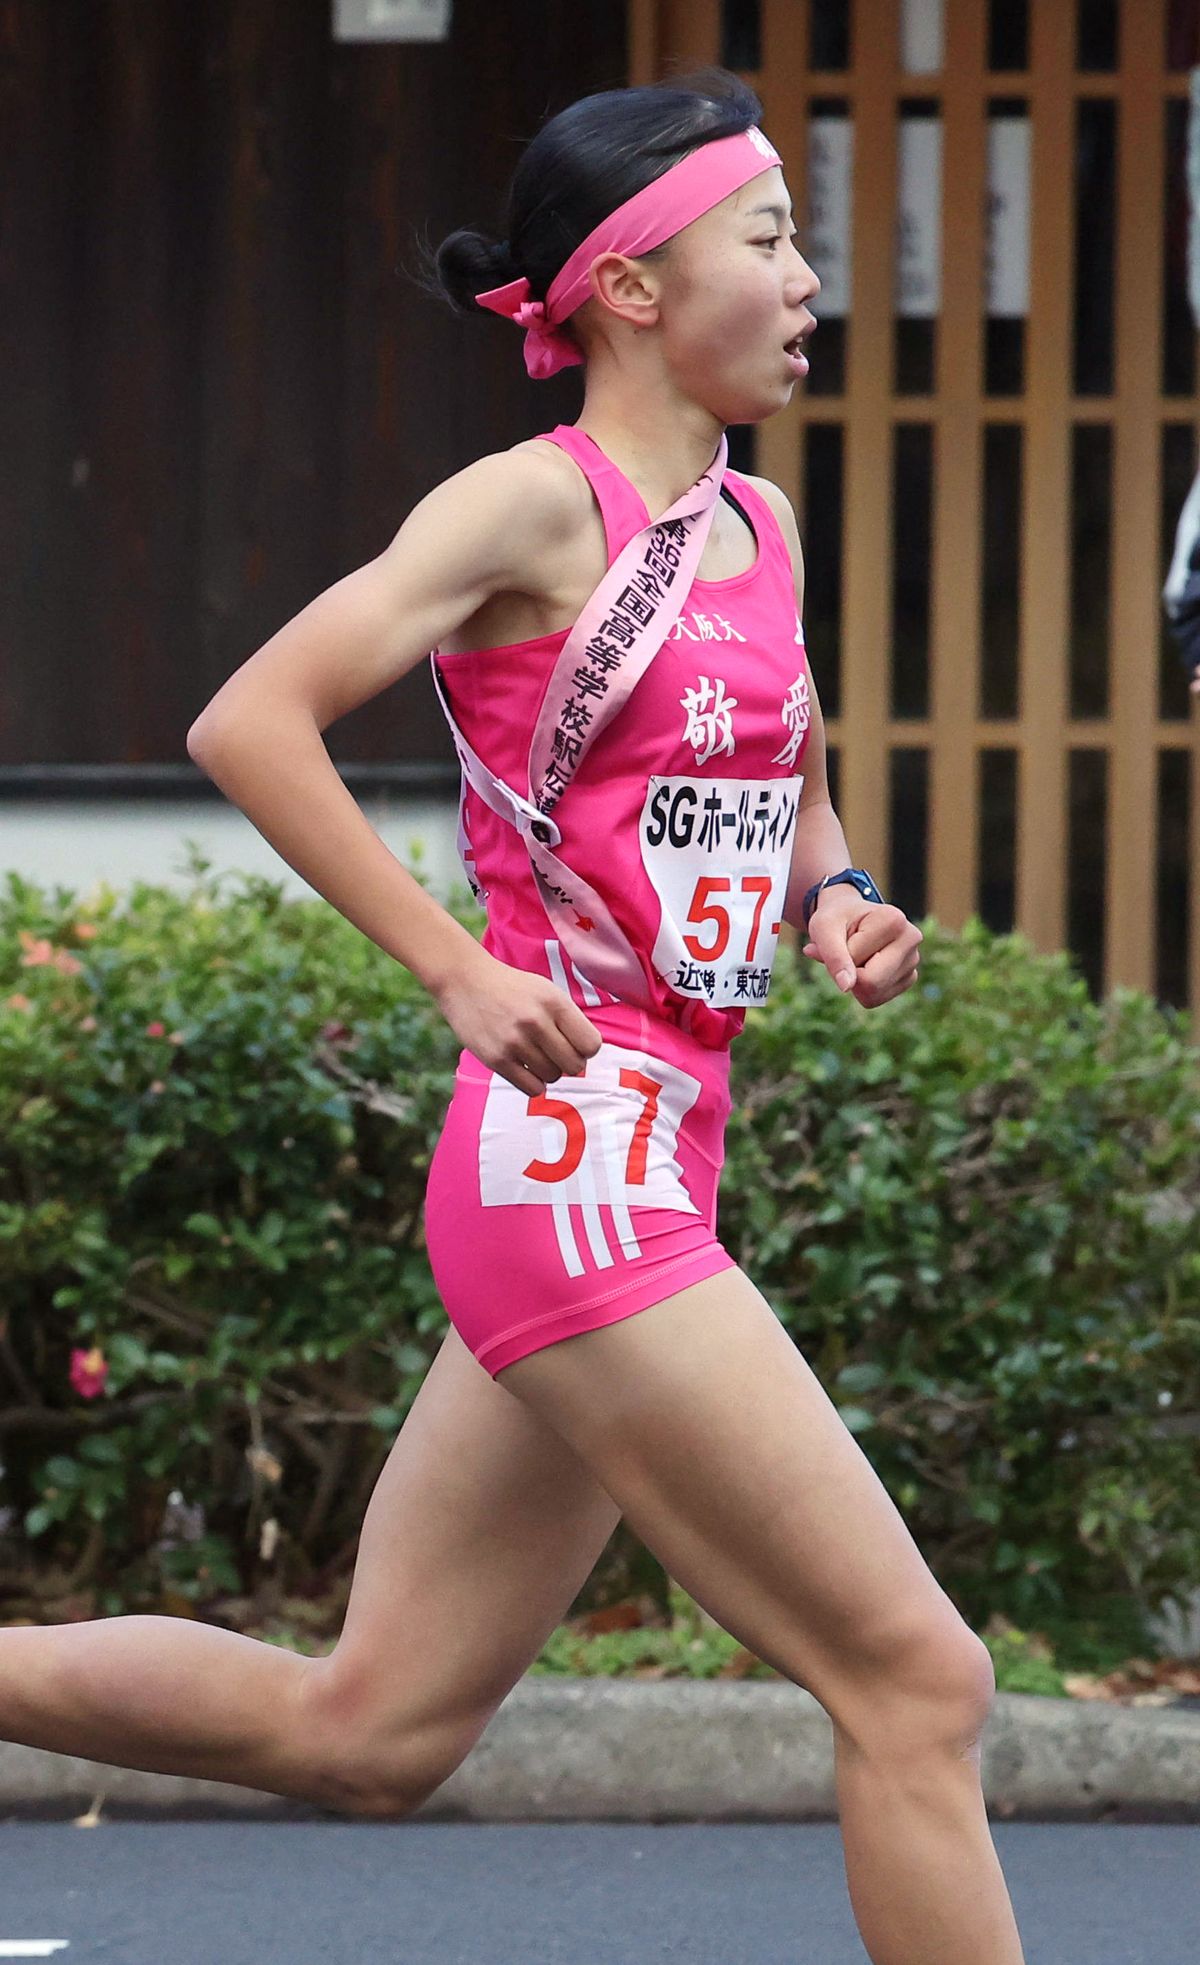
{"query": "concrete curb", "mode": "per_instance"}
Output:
(562, 1749)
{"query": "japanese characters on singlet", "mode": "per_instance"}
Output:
(681, 814)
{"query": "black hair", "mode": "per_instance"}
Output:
(579, 167)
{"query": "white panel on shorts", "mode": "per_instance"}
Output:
(614, 1143)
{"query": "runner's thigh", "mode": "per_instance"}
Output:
(730, 1461)
(481, 1531)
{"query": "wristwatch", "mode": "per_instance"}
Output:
(853, 876)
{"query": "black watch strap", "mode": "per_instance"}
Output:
(850, 876)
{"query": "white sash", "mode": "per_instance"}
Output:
(620, 630)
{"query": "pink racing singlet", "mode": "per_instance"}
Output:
(670, 849)
(682, 812)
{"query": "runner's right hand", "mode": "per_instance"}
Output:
(521, 1025)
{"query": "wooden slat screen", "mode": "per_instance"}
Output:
(1145, 724)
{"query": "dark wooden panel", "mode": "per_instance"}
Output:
(136, 280)
(222, 389)
(39, 471)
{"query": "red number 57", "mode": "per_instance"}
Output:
(575, 1144)
(704, 909)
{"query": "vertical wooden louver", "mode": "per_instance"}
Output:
(1079, 718)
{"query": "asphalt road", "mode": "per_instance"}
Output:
(425, 1893)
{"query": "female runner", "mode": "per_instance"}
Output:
(637, 850)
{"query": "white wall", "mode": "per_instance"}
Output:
(79, 842)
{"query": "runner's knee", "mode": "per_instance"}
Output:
(932, 1695)
(369, 1758)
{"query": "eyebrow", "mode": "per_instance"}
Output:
(777, 212)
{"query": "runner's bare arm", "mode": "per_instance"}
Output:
(483, 531)
(816, 785)
(820, 844)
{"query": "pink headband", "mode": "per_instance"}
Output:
(655, 213)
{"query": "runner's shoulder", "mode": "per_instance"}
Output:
(521, 501)
(785, 515)
(532, 483)
(779, 502)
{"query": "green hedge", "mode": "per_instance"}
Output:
(975, 1208)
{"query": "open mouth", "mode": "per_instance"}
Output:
(794, 350)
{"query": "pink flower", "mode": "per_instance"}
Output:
(41, 954)
(17, 1002)
(89, 1369)
(86, 930)
(88, 1023)
(156, 1029)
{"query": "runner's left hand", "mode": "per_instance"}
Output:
(875, 942)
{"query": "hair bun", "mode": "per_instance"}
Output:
(467, 263)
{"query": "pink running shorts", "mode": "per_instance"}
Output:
(549, 1216)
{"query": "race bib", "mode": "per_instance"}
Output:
(607, 1137)
(718, 854)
